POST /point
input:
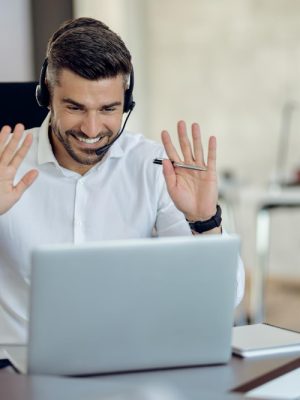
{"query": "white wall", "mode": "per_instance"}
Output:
(15, 41)
(231, 65)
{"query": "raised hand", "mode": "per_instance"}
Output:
(11, 156)
(195, 193)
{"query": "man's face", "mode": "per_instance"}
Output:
(85, 116)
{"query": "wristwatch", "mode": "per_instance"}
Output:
(203, 226)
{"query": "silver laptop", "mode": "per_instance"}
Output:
(132, 305)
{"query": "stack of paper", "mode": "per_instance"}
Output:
(263, 339)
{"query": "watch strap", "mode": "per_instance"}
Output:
(204, 226)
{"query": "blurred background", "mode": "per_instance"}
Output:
(231, 66)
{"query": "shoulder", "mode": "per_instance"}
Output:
(138, 153)
(138, 146)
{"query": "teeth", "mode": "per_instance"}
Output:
(89, 141)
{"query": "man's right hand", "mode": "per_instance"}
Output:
(11, 156)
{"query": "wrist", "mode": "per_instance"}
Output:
(202, 217)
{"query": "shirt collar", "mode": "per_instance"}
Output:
(45, 152)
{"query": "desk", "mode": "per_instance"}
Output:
(213, 382)
(278, 199)
(256, 222)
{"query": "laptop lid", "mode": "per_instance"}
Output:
(132, 304)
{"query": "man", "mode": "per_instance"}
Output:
(88, 179)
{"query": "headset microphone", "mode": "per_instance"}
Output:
(105, 148)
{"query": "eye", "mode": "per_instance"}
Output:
(110, 109)
(72, 107)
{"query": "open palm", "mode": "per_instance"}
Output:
(195, 193)
(11, 156)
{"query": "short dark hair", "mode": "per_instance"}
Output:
(88, 48)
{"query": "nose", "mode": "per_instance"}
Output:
(91, 124)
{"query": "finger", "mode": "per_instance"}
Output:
(169, 174)
(12, 145)
(212, 153)
(4, 134)
(6, 130)
(20, 127)
(197, 144)
(169, 147)
(21, 153)
(25, 182)
(184, 142)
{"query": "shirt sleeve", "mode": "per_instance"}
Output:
(240, 284)
(171, 222)
(240, 278)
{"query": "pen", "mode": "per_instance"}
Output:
(179, 164)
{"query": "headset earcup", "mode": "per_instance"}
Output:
(42, 93)
(128, 101)
(42, 96)
(128, 97)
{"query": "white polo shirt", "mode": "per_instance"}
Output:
(123, 196)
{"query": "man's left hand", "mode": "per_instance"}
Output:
(195, 193)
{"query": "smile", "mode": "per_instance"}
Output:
(90, 140)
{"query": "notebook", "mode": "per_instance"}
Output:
(264, 339)
(132, 305)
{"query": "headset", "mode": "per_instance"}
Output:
(43, 96)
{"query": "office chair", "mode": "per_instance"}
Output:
(18, 104)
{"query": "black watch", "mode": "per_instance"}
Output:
(203, 226)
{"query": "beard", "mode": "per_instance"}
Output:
(80, 155)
